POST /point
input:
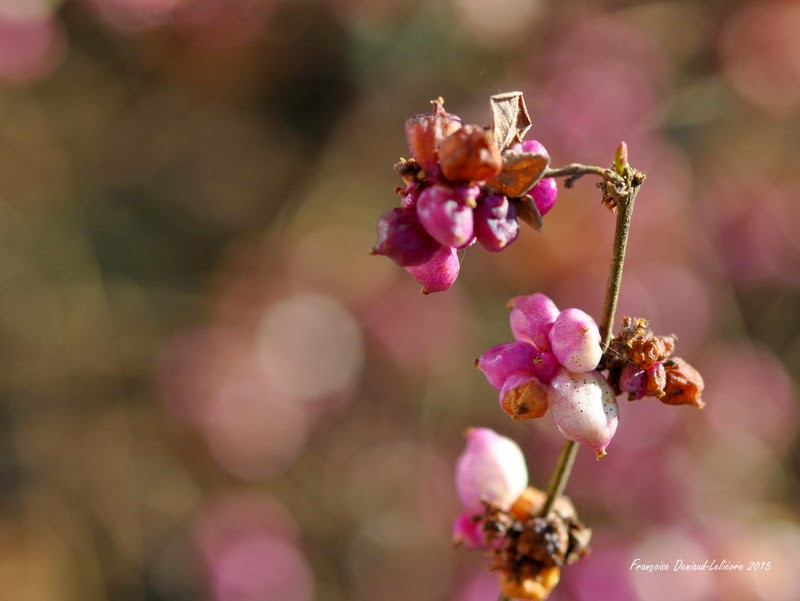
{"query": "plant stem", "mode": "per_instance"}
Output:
(624, 201)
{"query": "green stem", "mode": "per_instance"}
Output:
(624, 203)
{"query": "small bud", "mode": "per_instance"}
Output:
(523, 397)
(575, 340)
(684, 384)
(544, 195)
(490, 469)
(446, 213)
(439, 272)
(402, 238)
(409, 196)
(584, 408)
(426, 131)
(469, 154)
(621, 159)
(496, 224)
(536, 588)
(532, 318)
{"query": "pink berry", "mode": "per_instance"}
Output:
(446, 213)
(575, 341)
(544, 195)
(584, 408)
(496, 223)
(468, 530)
(491, 468)
(402, 238)
(532, 317)
(504, 360)
(534, 147)
(439, 272)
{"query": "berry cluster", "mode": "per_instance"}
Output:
(501, 517)
(642, 364)
(553, 363)
(463, 184)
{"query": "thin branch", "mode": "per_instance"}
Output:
(621, 194)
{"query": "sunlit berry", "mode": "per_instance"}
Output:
(532, 317)
(584, 408)
(544, 195)
(446, 213)
(575, 341)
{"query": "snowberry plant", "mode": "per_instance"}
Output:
(466, 184)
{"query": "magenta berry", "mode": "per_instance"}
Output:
(532, 317)
(491, 468)
(468, 530)
(575, 341)
(402, 238)
(544, 195)
(439, 272)
(504, 360)
(584, 408)
(446, 213)
(534, 147)
(496, 224)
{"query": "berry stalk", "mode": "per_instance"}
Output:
(619, 194)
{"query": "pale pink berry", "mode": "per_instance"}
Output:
(534, 147)
(575, 341)
(544, 195)
(439, 272)
(402, 238)
(532, 317)
(490, 469)
(496, 224)
(446, 213)
(584, 408)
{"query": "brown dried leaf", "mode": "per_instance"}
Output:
(521, 171)
(528, 211)
(510, 118)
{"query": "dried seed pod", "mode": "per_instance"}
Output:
(523, 397)
(426, 131)
(536, 588)
(684, 384)
(469, 155)
(531, 501)
(545, 540)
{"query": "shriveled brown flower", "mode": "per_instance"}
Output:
(684, 384)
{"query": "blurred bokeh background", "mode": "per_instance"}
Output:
(211, 391)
